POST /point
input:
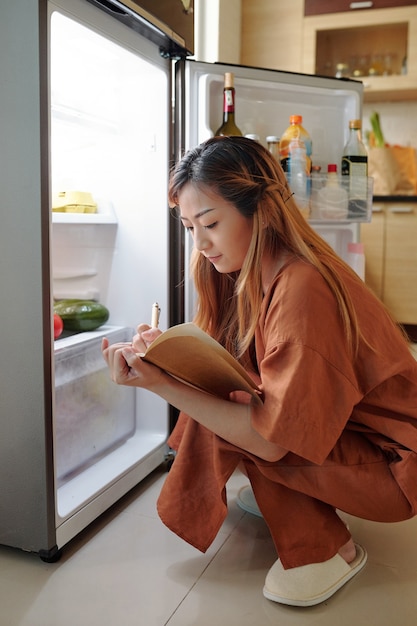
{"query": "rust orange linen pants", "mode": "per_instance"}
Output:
(297, 498)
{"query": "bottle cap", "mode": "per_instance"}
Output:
(229, 80)
(332, 168)
(356, 248)
(272, 139)
(356, 124)
(296, 119)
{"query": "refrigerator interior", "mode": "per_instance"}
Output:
(265, 99)
(109, 128)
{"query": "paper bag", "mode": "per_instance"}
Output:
(394, 170)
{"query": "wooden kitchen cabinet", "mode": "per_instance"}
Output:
(272, 34)
(391, 257)
(318, 7)
(372, 235)
(382, 42)
(400, 280)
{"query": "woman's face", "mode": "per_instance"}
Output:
(219, 231)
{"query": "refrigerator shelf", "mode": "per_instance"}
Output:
(83, 218)
(72, 340)
(105, 215)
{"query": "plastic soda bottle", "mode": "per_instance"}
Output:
(298, 177)
(295, 131)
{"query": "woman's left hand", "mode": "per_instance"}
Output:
(145, 335)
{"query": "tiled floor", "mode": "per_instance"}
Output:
(127, 569)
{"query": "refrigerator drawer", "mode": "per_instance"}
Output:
(93, 416)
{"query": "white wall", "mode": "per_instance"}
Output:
(217, 30)
(398, 121)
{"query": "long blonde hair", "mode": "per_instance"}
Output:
(244, 173)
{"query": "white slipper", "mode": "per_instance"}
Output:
(246, 501)
(311, 584)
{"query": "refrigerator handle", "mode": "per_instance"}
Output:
(176, 239)
(110, 7)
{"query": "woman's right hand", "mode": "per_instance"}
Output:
(144, 337)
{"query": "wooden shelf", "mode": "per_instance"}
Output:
(383, 43)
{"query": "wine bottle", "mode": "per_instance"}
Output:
(228, 127)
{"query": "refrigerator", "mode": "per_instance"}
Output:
(100, 97)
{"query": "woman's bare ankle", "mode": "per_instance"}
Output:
(348, 551)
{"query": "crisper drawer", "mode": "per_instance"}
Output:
(92, 416)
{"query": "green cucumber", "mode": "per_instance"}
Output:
(81, 315)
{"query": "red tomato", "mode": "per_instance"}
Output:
(58, 325)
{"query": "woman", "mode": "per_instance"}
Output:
(337, 426)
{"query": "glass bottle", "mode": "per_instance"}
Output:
(228, 126)
(253, 136)
(273, 146)
(355, 165)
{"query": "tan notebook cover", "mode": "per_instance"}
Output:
(188, 353)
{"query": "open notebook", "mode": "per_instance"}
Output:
(191, 355)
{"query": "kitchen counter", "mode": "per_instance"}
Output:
(394, 198)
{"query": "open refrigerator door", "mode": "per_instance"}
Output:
(265, 100)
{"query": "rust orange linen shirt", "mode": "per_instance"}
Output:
(312, 388)
(312, 391)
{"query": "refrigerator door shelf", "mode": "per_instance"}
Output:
(83, 498)
(361, 203)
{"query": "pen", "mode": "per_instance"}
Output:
(155, 315)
